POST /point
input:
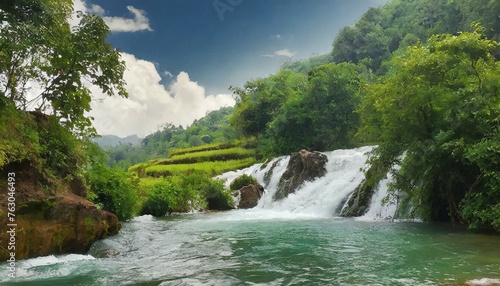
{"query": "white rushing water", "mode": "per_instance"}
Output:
(325, 196)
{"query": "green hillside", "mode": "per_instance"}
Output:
(211, 159)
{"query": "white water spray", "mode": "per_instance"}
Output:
(325, 196)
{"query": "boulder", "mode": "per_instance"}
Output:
(302, 167)
(50, 217)
(249, 196)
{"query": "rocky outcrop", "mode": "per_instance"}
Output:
(359, 202)
(303, 166)
(269, 174)
(249, 196)
(50, 217)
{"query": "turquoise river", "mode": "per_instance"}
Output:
(265, 247)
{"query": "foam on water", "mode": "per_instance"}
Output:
(51, 259)
(322, 197)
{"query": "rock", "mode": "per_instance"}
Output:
(359, 201)
(302, 167)
(249, 196)
(269, 174)
(50, 217)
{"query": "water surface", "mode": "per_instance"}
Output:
(266, 247)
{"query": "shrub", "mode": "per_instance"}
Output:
(113, 190)
(172, 195)
(241, 181)
(158, 201)
(184, 193)
(216, 196)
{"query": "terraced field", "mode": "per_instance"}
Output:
(213, 159)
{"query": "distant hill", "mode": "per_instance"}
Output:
(107, 141)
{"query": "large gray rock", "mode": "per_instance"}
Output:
(302, 167)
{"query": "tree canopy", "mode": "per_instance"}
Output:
(46, 65)
(437, 114)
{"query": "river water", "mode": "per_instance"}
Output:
(297, 241)
(265, 247)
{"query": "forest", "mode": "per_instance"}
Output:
(420, 79)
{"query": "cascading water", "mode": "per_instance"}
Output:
(325, 196)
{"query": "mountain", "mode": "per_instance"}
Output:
(107, 141)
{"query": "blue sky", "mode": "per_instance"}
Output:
(213, 44)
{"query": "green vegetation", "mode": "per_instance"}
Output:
(184, 193)
(211, 132)
(38, 45)
(402, 23)
(45, 137)
(113, 190)
(215, 155)
(183, 182)
(242, 181)
(290, 111)
(210, 167)
(446, 123)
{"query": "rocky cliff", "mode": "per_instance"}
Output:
(50, 217)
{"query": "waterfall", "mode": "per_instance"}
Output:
(381, 206)
(325, 196)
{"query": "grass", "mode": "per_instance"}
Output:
(213, 155)
(207, 147)
(210, 167)
(212, 159)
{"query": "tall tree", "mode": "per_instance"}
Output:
(324, 117)
(259, 101)
(45, 63)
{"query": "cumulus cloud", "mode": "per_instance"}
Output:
(139, 22)
(98, 10)
(150, 104)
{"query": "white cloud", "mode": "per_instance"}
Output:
(98, 10)
(150, 104)
(285, 53)
(117, 24)
(139, 23)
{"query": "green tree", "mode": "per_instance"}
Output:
(260, 100)
(437, 115)
(383, 30)
(323, 118)
(38, 48)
